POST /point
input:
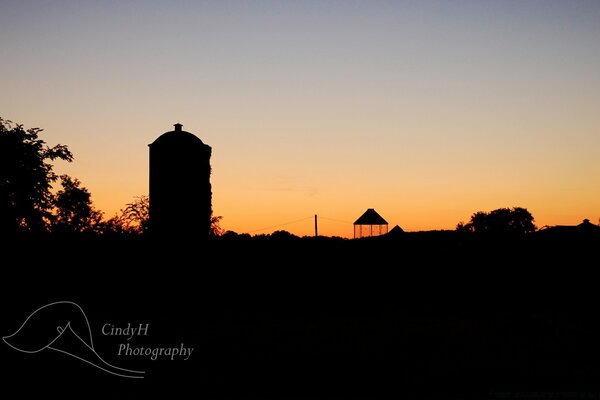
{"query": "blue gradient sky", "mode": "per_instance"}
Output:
(425, 110)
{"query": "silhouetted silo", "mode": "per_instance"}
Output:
(180, 190)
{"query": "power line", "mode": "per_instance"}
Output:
(299, 220)
(284, 224)
(335, 220)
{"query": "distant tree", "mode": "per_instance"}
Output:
(462, 227)
(26, 178)
(133, 220)
(521, 221)
(136, 214)
(215, 226)
(235, 235)
(74, 210)
(283, 235)
(481, 222)
(502, 221)
(114, 226)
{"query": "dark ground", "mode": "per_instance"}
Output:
(430, 315)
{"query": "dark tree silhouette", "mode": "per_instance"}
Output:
(136, 214)
(215, 226)
(115, 227)
(26, 178)
(502, 221)
(133, 220)
(74, 210)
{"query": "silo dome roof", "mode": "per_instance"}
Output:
(178, 136)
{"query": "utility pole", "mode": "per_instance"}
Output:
(316, 229)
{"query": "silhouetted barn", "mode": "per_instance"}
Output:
(180, 190)
(582, 231)
(370, 224)
(396, 231)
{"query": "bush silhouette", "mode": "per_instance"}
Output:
(502, 221)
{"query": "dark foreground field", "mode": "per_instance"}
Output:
(418, 316)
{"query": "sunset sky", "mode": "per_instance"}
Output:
(426, 111)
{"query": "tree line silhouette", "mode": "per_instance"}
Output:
(30, 207)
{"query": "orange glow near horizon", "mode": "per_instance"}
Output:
(425, 111)
(416, 206)
(428, 189)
